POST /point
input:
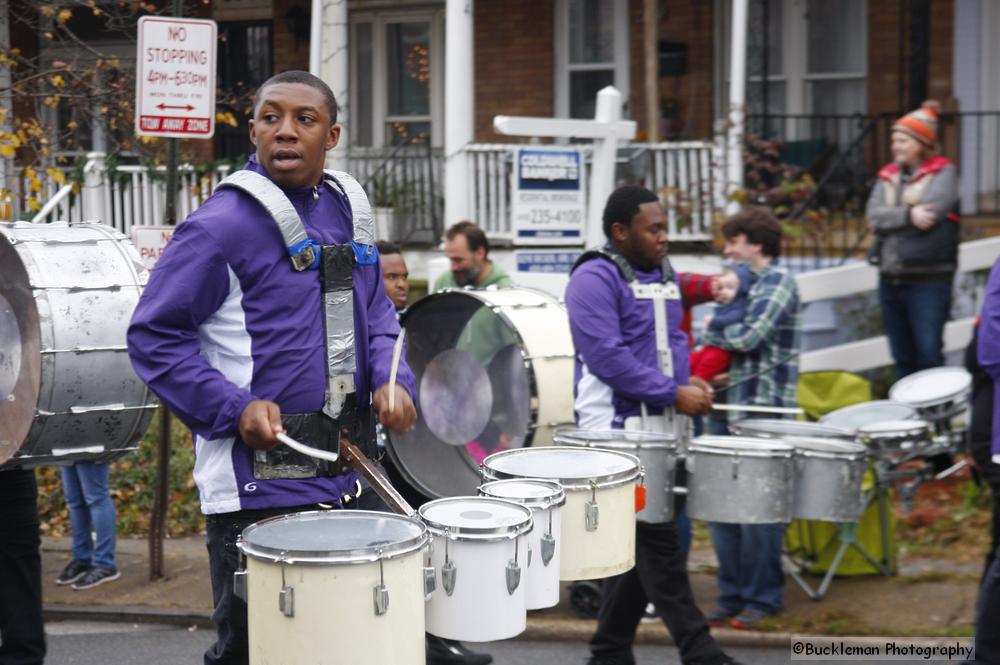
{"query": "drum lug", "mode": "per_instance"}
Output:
(592, 512)
(240, 585)
(430, 582)
(448, 573)
(286, 601)
(548, 548)
(736, 467)
(380, 593)
(513, 576)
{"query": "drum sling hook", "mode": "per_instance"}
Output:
(380, 592)
(592, 512)
(448, 570)
(548, 543)
(514, 570)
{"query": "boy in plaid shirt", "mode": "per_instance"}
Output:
(751, 582)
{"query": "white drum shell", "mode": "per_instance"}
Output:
(334, 621)
(87, 279)
(740, 488)
(480, 609)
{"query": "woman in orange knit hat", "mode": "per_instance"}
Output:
(913, 211)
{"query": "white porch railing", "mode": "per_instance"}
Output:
(685, 174)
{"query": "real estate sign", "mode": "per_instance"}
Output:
(548, 201)
(175, 77)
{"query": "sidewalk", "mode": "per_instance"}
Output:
(928, 598)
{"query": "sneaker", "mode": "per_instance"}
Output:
(748, 618)
(452, 652)
(719, 617)
(73, 571)
(96, 576)
(649, 614)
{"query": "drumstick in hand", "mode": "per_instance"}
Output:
(396, 353)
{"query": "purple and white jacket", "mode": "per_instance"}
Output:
(615, 340)
(989, 347)
(225, 319)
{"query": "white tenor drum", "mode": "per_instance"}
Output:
(740, 480)
(598, 520)
(480, 553)
(828, 477)
(494, 372)
(332, 587)
(67, 389)
(854, 416)
(656, 452)
(545, 499)
(938, 394)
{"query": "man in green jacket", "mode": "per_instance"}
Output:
(467, 248)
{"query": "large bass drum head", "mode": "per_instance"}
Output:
(20, 345)
(474, 392)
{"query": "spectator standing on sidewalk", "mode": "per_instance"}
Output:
(913, 211)
(93, 523)
(22, 631)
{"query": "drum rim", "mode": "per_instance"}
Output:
(904, 427)
(860, 406)
(326, 557)
(554, 500)
(943, 400)
(834, 432)
(493, 534)
(655, 439)
(605, 481)
(856, 452)
(703, 443)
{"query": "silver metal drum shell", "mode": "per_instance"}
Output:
(86, 279)
(828, 487)
(740, 489)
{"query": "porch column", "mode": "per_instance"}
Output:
(459, 109)
(328, 59)
(6, 103)
(737, 100)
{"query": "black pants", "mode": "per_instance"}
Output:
(22, 631)
(230, 616)
(659, 576)
(990, 472)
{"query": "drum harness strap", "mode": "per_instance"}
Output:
(659, 293)
(335, 264)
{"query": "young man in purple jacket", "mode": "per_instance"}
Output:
(988, 611)
(618, 369)
(231, 336)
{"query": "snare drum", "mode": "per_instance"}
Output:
(776, 428)
(598, 521)
(854, 416)
(310, 580)
(938, 394)
(656, 452)
(545, 499)
(480, 550)
(895, 438)
(740, 480)
(828, 479)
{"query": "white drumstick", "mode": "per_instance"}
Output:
(791, 410)
(307, 450)
(397, 351)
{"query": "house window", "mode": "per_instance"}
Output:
(244, 62)
(815, 52)
(591, 52)
(398, 91)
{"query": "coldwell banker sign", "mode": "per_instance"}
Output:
(548, 200)
(175, 78)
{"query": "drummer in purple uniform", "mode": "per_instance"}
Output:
(230, 334)
(617, 371)
(988, 610)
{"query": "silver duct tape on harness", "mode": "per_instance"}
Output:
(338, 310)
(274, 201)
(361, 209)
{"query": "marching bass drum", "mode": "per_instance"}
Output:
(67, 389)
(494, 372)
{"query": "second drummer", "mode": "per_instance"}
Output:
(618, 370)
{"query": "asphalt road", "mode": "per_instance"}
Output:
(93, 643)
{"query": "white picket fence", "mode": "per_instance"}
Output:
(685, 174)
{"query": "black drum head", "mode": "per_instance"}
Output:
(474, 390)
(20, 351)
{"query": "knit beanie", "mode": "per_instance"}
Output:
(921, 124)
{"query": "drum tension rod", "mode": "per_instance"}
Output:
(286, 597)
(381, 593)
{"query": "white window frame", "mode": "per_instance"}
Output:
(380, 69)
(563, 68)
(794, 57)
